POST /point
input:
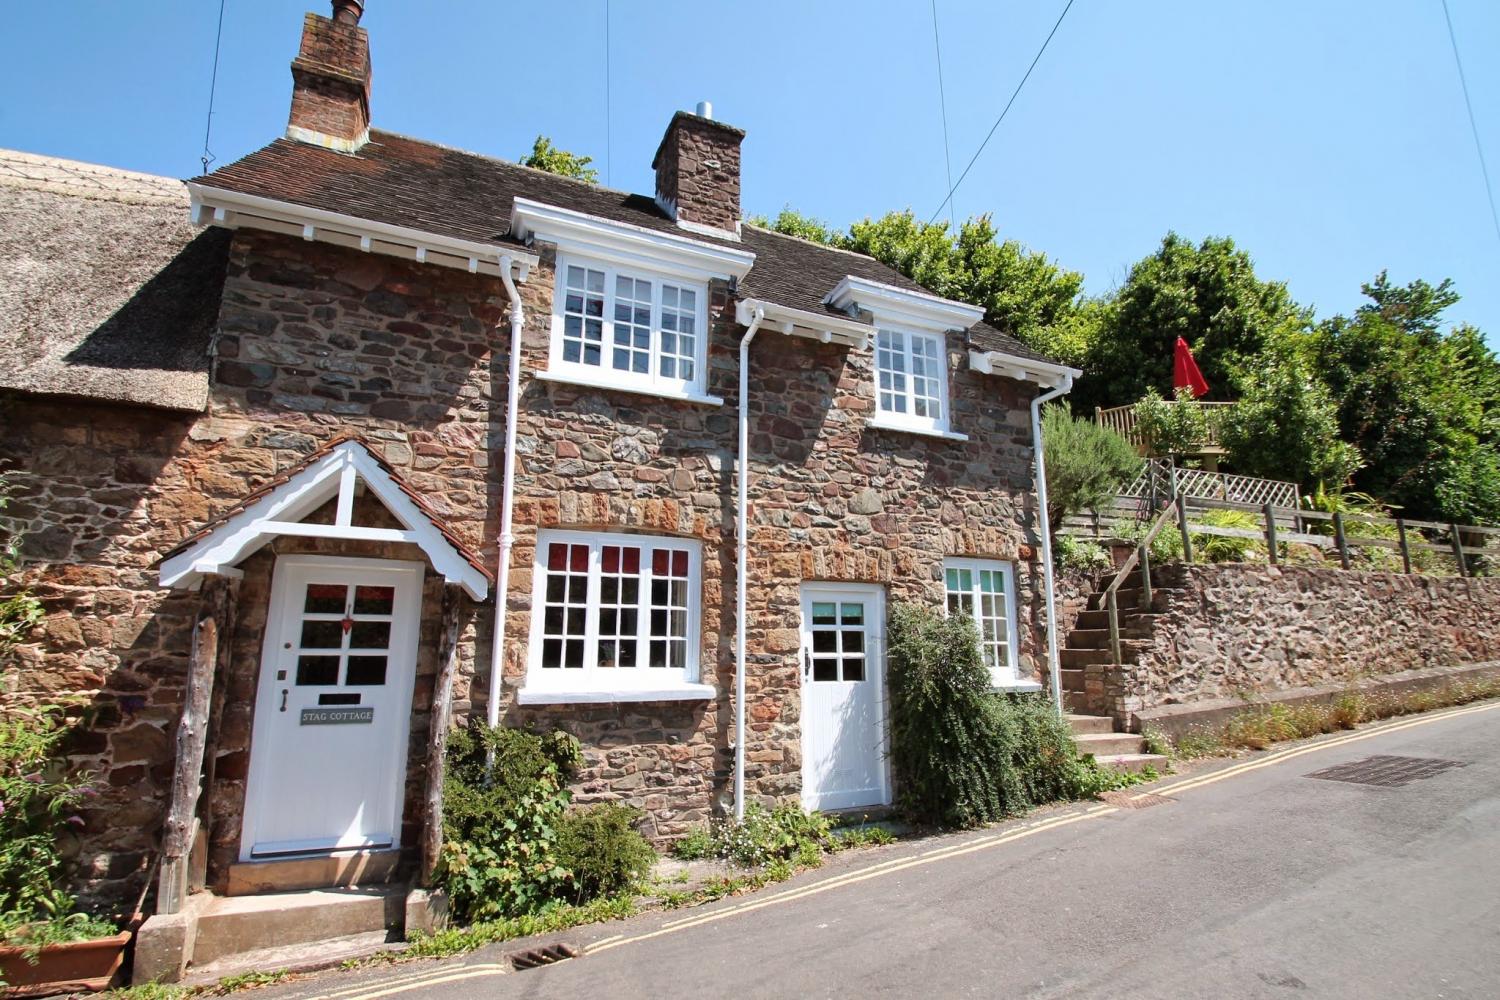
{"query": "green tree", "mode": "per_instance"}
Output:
(1421, 405)
(1285, 423)
(1173, 427)
(545, 156)
(1207, 294)
(1086, 464)
(791, 222)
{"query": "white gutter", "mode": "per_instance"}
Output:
(742, 552)
(1039, 447)
(512, 401)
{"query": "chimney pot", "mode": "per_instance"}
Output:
(348, 11)
(706, 110)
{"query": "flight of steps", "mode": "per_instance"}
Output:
(1086, 660)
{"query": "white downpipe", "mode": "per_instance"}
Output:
(512, 403)
(1039, 447)
(741, 569)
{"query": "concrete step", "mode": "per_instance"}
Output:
(1073, 701)
(1134, 763)
(1083, 725)
(342, 868)
(1109, 744)
(1076, 659)
(1072, 680)
(307, 956)
(231, 925)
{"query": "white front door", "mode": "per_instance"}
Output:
(843, 696)
(328, 754)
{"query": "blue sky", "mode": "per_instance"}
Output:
(1328, 138)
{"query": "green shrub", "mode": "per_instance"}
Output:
(601, 849)
(1165, 547)
(1069, 552)
(697, 845)
(1221, 549)
(1086, 464)
(784, 835)
(500, 854)
(37, 801)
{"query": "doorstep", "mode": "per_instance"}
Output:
(339, 869)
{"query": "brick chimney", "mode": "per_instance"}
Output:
(331, 80)
(698, 171)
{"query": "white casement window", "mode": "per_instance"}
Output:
(614, 612)
(984, 589)
(634, 329)
(911, 371)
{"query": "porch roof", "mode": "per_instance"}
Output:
(280, 506)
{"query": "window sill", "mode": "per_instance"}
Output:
(891, 425)
(1017, 687)
(604, 383)
(534, 695)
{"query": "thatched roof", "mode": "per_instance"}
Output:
(107, 291)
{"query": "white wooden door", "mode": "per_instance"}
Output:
(328, 753)
(843, 697)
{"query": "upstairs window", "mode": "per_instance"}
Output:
(911, 380)
(984, 590)
(637, 330)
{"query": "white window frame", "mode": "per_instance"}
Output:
(1002, 675)
(910, 419)
(592, 683)
(604, 374)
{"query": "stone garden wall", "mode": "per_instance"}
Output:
(1230, 630)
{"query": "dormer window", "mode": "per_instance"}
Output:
(632, 328)
(911, 379)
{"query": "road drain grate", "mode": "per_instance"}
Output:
(1135, 800)
(1386, 772)
(550, 955)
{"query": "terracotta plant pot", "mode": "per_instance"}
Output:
(63, 968)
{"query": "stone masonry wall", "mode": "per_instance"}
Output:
(316, 341)
(1232, 629)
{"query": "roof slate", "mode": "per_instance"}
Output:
(107, 291)
(450, 192)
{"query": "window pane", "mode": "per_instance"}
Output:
(852, 614)
(325, 598)
(583, 308)
(825, 670)
(322, 635)
(823, 613)
(632, 316)
(825, 642)
(374, 600)
(366, 670)
(854, 668)
(679, 341)
(317, 670)
(370, 635)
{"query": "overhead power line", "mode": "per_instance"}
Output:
(954, 187)
(943, 106)
(1463, 81)
(213, 85)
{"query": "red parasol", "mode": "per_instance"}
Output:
(1185, 371)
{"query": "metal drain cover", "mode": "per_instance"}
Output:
(549, 955)
(1386, 772)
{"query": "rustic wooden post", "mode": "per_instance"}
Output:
(1114, 625)
(1145, 551)
(187, 772)
(1458, 550)
(1270, 513)
(1182, 525)
(440, 720)
(1405, 548)
(1340, 539)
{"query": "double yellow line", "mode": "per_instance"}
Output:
(967, 846)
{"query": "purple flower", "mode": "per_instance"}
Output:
(75, 820)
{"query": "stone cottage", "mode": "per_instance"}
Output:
(282, 441)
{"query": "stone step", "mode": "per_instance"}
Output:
(1078, 658)
(306, 956)
(1098, 638)
(230, 925)
(1134, 763)
(1109, 744)
(1072, 680)
(1083, 725)
(1128, 616)
(1127, 598)
(1074, 701)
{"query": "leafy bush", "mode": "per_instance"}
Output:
(601, 849)
(1166, 546)
(1086, 464)
(1173, 427)
(781, 836)
(1077, 554)
(697, 845)
(962, 754)
(1221, 549)
(37, 802)
(500, 852)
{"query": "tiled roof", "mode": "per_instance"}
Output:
(283, 477)
(450, 192)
